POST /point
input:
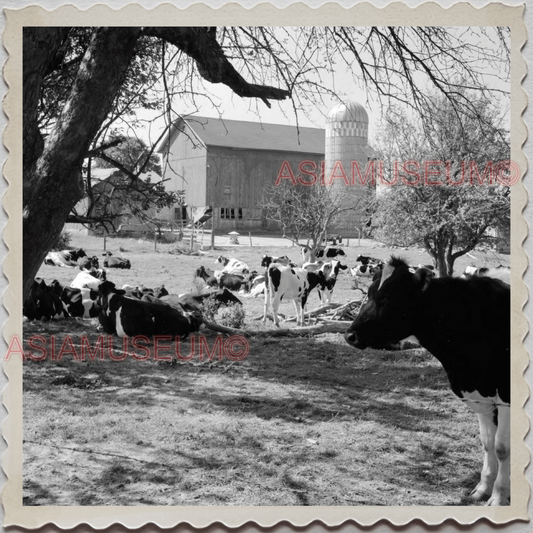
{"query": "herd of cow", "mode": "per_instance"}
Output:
(463, 321)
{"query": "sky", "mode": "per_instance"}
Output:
(234, 107)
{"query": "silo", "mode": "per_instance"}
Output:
(347, 143)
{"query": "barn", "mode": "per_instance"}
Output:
(227, 164)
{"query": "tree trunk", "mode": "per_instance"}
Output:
(55, 175)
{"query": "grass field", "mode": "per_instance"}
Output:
(300, 421)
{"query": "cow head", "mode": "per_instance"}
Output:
(76, 254)
(222, 260)
(108, 287)
(266, 260)
(391, 311)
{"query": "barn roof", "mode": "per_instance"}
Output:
(252, 135)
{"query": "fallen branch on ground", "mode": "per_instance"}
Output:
(335, 326)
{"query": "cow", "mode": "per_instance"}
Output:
(365, 260)
(365, 271)
(500, 272)
(222, 297)
(42, 302)
(308, 256)
(127, 317)
(430, 269)
(267, 260)
(88, 279)
(232, 265)
(207, 275)
(465, 324)
(115, 262)
(330, 271)
(139, 292)
(87, 263)
(81, 303)
(64, 258)
(330, 253)
(232, 282)
(292, 284)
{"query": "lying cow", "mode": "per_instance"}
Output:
(465, 324)
(207, 275)
(89, 280)
(42, 302)
(366, 260)
(330, 253)
(112, 261)
(232, 265)
(222, 297)
(88, 263)
(366, 271)
(267, 260)
(500, 272)
(127, 317)
(285, 282)
(82, 303)
(64, 258)
(232, 282)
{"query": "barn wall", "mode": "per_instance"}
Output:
(185, 166)
(237, 179)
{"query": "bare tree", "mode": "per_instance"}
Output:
(449, 189)
(307, 212)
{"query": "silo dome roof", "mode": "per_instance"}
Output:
(348, 112)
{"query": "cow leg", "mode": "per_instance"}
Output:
(487, 429)
(501, 491)
(275, 307)
(297, 308)
(267, 305)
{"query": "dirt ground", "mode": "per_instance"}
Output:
(299, 421)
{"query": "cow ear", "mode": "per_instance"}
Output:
(343, 267)
(423, 278)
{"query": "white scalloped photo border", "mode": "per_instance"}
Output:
(395, 14)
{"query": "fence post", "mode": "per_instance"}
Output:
(213, 227)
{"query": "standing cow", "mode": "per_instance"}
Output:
(465, 324)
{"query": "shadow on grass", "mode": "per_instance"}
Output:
(300, 382)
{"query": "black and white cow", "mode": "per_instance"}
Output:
(43, 302)
(233, 282)
(500, 272)
(267, 260)
(207, 275)
(330, 253)
(222, 297)
(81, 303)
(289, 283)
(88, 263)
(89, 279)
(115, 262)
(366, 260)
(127, 317)
(465, 324)
(140, 292)
(64, 258)
(308, 256)
(232, 265)
(366, 271)
(330, 271)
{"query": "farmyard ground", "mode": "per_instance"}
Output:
(305, 421)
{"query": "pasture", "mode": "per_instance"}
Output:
(299, 421)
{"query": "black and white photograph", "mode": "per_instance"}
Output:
(267, 265)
